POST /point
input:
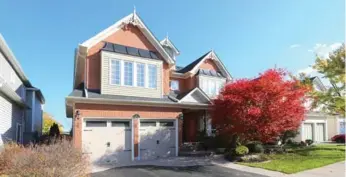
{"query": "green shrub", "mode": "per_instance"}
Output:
(309, 142)
(255, 147)
(241, 150)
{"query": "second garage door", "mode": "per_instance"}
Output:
(157, 139)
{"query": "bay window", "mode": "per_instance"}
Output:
(131, 73)
(211, 86)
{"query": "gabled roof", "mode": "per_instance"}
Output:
(135, 20)
(316, 81)
(194, 66)
(190, 66)
(169, 43)
(196, 95)
(9, 56)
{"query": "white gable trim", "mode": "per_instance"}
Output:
(135, 20)
(168, 43)
(193, 91)
(220, 65)
(317, 81)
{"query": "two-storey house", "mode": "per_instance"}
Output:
(130, 99)
(21, 103)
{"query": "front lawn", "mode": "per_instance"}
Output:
(301, 159)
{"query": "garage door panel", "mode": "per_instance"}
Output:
(157, 139)
(320, 132)
(108, 142)
(307, 131)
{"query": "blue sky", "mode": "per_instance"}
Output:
(249, 36)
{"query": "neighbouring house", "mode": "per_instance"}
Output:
(130, 101)
(319, 126)
(21, 103)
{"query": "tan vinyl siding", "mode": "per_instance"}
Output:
(107, 88)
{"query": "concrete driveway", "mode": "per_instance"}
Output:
(155, 171)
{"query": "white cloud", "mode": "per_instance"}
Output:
(323, 50)
(294, 46)
(308, 71)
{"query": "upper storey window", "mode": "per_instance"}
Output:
(115, 72)
(140, 74)
(152, 76)
(131, 73)
(174, 84)
(128, 73)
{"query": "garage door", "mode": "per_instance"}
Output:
(157, 139)
(307, 129)
(107, 141)
(319, 132)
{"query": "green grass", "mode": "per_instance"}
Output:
(301, 159)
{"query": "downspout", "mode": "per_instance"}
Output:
(86, 77)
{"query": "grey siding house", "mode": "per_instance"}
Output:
(21, 104)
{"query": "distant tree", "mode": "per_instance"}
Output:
(54, 130)
(48, 121)
(332, 100)
(260, 109)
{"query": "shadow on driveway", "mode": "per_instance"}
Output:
(155, 171)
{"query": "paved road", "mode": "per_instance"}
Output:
(153, 171)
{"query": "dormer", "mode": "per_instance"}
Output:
(172, 51)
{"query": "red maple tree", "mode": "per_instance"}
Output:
(260, 109)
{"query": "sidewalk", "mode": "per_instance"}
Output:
(332, 170)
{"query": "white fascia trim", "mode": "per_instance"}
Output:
(118, 25)
(194, 90)
(167, 42)
(72, 100)
(219, 63)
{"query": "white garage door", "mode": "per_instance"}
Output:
(307, 131)
(107, 141)
(157, 139)
(319, 132)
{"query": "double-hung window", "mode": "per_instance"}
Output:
(115, 72)
(140, 75)
(128, 73)
(152, 76)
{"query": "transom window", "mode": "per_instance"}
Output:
(128, 73)
(174, 85)
(152, 69)
(140, 74)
